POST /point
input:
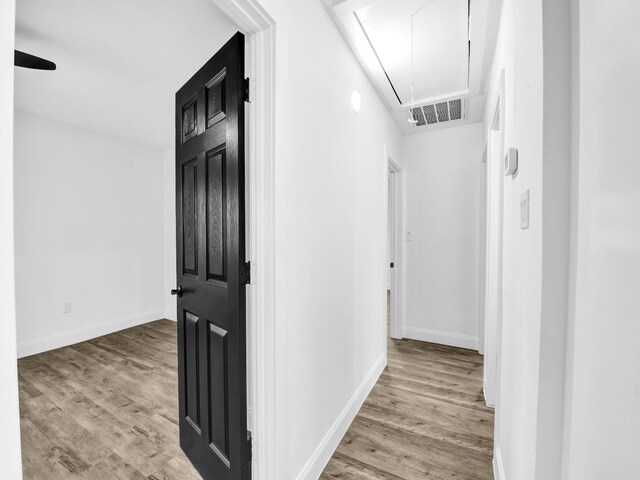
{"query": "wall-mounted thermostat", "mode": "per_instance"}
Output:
(511, 162)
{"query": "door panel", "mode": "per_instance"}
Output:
(190, 217)
(211, 260)
(216, 212)
(191, 373)
(218, 401)
(216, 99)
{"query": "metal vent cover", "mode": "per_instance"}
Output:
(440, 112)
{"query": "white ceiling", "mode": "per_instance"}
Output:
(454, 42)
(440, 54)
(120, 62)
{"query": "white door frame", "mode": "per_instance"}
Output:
(395, 237)
(259, 27)
(494, 254)
(10, 457)
(482, 281)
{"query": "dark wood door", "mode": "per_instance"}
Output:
(210, 181)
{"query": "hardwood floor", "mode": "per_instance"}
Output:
(105, 409)
(425, 419)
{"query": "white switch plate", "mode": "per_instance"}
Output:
(524, 210)
(408, 237)
(66, 307)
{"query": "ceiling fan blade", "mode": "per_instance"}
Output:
(25, 60)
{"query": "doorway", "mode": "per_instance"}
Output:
(393, 236)
(258, 26)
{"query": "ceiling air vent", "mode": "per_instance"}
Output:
(440, 112)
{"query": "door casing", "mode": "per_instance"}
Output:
(482, 280)
(394, 197)
(495, 233)
(259, 29)
(9, 414)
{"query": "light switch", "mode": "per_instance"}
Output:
(408, 237)
(524, 210)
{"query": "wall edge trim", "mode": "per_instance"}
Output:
(71, 337)
(498, 466)
(328, 445)
(443, 338)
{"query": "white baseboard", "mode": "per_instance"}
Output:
(487, 401)
(444, 338)
(323, 453)
(170, 311)
(498, 467)
(39, 345)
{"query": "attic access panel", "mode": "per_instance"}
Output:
(441, 44)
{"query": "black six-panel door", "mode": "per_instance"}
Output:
(211, 260)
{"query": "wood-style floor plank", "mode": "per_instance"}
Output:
(426, 418)
(344, 467)
(107, 409)
(104, 409)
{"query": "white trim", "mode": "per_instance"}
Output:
(394, 198)
(438, 98)
(494, 401)
(443, 338)
(78, 335)
(494, 248)
(482, 254)
(323, 453)
(259, 27)
(487, 402)
(393, 166)
(10, 457)
(498, 466)
(249, 15)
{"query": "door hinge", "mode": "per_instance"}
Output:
(246, 84)
(249, 447)
(246, 274)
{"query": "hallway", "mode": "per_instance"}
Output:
(425, 418)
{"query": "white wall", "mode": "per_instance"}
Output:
(533, 50)
(556, 219)
(169, 232)
(603, 433)
(519, 53)
(441, 210)
(331, 216)
(10, 457)
(88, 231)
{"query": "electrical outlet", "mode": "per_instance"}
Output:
(66, 308)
